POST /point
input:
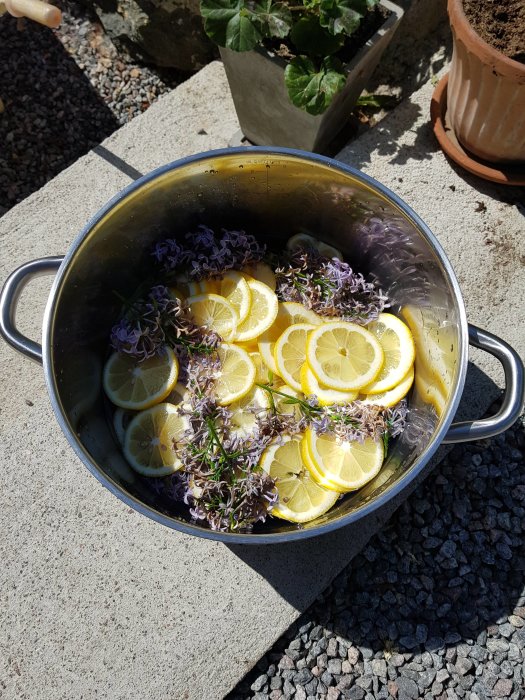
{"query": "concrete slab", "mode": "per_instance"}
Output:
(99, 602)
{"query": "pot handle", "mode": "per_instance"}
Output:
(513, 397)
(9, 296)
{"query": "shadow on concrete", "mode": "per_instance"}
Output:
(52, 115)
(501, 193)
(413, 598)
(117, 162)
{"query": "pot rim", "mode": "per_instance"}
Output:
(263, 538)
(460, 24)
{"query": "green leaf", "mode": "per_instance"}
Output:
(229, 23)
(275, 19)
(340, 16)
(311, 89)
(375, 101)
(310, 38)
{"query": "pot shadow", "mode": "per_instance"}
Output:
(513, 195)
(456, 548)
(52, 115)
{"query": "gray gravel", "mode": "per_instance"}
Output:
(61, 93)
(433, 608)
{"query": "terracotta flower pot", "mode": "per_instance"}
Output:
(486, 95)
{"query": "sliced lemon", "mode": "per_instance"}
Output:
(282, 401)
(210, 287)
(234, 287)
(348, 465)
(303, 240)
(289, 313)
(319, 477)
(392, 396)
(436, 345)
(182, 281)
(121, 419)
(428, 389)
(263, 312)
(327, 397)
(152, 437)
(194, 288)
(214, 312)
(250, 346)
(262, 272)
(261, 371)
(236, 375)
(344, 356)
(290, 353)
(137, 385)
(179, 395)
(399, 350)
(245, 411)
(301, 499)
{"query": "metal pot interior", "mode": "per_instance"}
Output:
(273, 195)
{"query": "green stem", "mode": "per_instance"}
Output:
(216, 438)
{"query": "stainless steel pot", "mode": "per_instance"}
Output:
(272, 193)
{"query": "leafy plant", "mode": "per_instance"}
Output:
(313, 31)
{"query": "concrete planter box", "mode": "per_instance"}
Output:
(266, 115)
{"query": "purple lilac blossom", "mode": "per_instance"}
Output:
(206, 254)
(329, 287)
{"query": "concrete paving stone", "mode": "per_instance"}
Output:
(100, 602)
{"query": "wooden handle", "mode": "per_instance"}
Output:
(39, 11)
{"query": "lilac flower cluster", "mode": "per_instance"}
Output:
(156, 320)
(205, 254)
(329, 287)
(225, 485)
(359, 421)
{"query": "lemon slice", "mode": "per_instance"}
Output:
(179, 395)
(234, 287)
(399, 350)
(250, 346)
(236, 376)
(436, 345)
(392, 396)
(263, 311)
(137, 385)
(327, 397)
(281, 401)
(290, 353)
(429, 391)
(289, 313)
(344, 356)
(301, 499)
(262, 272)
(347, 465)
(150, 444)
(261, 371)
(210, 287)
(215, 313)
(303, 240)
(121, 419)
(245, 411)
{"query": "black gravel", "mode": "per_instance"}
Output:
(61, 93)
(434, 606)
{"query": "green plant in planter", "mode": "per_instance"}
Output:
(313, 32)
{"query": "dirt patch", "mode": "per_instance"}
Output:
(501, 23)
